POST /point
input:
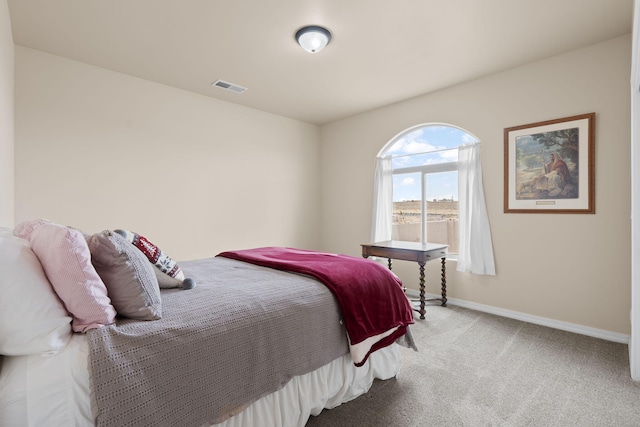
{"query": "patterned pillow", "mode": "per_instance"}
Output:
(153, 253)
(130, 280)
(66, 260)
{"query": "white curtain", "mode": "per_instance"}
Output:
(382, 216)
(476, 250)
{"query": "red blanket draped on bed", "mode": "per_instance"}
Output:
(374, 308)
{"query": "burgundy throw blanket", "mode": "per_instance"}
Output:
(375, 310)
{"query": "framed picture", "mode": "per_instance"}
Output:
(549, 167)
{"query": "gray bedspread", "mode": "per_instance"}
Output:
(242, 333)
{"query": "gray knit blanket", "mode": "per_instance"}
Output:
(241, 334)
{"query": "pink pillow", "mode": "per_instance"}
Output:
(66, 260)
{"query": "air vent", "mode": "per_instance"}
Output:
(228, 86)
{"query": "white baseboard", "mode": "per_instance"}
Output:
(538, 320)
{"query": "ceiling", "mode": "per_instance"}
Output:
(382, 51)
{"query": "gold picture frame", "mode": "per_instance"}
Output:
(549, 167)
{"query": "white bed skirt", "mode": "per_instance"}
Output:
(53, 390)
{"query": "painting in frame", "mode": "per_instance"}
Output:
(549, 167)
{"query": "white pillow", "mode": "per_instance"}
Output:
(32, 318)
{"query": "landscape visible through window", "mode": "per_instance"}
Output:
(425, 184)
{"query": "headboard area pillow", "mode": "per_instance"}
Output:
(128, 275)
(32, 317)
(66, 260)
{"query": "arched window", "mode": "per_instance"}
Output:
(428, 181)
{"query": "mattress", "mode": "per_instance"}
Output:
(53, 390)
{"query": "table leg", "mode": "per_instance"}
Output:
(389, 263)
(443, 281)
(422, 298)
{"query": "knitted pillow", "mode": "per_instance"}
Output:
(167, 271)
(130, 280)
(153, 253)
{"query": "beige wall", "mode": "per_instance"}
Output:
(97, 149)
(571, 268)
(6, 117)
(100, 150)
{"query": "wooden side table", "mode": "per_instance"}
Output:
(412, 251)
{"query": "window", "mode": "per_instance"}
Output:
(424, 163)
(419, 168)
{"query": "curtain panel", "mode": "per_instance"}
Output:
(382, 215)
(476, 248)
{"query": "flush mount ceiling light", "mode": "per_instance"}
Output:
(313, 38)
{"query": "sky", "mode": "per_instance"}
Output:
(419, 142)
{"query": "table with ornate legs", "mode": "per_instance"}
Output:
(412, 251)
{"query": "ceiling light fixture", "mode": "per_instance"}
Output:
(313, 38)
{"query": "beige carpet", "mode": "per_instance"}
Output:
(478, 369)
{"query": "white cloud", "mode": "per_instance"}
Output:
(408, 181)
(449, 155)
(468, 138)
(413, 147)
(411, 143)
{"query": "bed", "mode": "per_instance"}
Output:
(253, 343)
